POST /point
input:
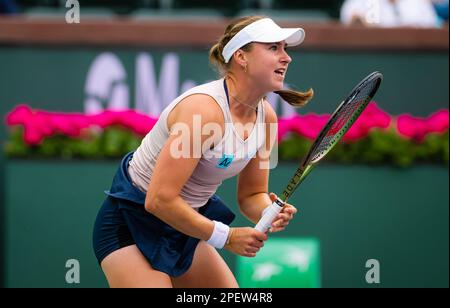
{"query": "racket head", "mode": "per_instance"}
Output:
(343, 118)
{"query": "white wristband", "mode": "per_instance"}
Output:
(219, 235)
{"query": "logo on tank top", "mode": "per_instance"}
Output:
(225, 161)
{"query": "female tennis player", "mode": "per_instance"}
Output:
(161, 221)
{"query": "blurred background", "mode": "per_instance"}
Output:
(374, 214)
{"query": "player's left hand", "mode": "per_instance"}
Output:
(283, 218)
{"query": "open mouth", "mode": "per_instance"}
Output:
(281, 72)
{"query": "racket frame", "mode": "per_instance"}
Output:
(309, 161)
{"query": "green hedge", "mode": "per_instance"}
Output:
(379, 147)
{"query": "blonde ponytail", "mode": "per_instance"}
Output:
(296, 98)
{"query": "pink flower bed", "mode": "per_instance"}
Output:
(418, 128)
(42, 124)
(310, 125)
(39, 124)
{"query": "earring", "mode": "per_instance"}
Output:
(245, 68)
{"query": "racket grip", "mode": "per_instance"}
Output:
(266, 220)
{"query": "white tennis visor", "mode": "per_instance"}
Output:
(263, 31)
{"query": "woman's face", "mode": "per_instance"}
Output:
(267, 64)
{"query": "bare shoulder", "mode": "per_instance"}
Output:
(271, 115)
(201, 105)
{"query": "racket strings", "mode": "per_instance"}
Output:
(345, 118)
(347, 112)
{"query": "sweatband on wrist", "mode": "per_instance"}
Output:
(219, 235)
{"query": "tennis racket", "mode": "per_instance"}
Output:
(336, 127)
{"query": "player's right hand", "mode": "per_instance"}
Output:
(245, 241)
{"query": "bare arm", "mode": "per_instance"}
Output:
(171, 173)
(253, 181)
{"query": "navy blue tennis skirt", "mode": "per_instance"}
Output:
(123, 221)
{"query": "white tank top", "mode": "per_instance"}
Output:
(225, 160)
